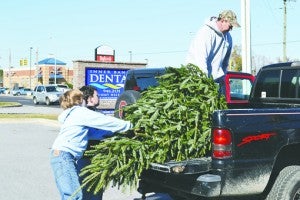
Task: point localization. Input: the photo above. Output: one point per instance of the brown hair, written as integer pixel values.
(71, 98)
(88, 91)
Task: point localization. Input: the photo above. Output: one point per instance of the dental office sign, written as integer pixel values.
(109, 84)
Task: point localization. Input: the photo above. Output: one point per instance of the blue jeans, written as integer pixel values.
(67, 180)
(81, 163)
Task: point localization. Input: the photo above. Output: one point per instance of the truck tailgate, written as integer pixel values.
(173, 176)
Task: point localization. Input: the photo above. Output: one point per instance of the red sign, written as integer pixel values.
(105, 58)
(105, 54)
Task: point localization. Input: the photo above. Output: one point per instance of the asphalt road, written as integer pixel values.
(24, 159)
(24, 154)
(27, 105)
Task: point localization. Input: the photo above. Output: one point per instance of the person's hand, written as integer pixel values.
(129, 134)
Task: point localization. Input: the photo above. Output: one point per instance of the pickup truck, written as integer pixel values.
(254, 150)
(237, 87)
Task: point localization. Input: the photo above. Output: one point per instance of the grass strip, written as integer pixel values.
(9, 104)
(28, 115)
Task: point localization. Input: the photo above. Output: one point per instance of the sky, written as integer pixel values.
(157, 32)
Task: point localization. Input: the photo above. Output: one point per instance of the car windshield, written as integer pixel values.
(51, 89)
(62, 86)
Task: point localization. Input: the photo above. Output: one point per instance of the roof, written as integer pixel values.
(280, 64)
(51, 61)
(144, 71)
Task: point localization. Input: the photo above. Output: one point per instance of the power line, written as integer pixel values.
(274, 43)
(161, 52)
(267, 3)
(184, 51)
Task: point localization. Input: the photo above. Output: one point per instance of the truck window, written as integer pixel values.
(240, 88)
(268, 84)
(142, 83)
(289, 83)
(146, 82)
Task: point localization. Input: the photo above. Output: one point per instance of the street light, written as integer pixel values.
(30, 67)
(130, 54)
(9, 69)
(55, 69)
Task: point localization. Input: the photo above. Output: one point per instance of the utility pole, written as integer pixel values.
(37, 70)
(55, 70)
(9, 69)
(284, 59)
(30, 67)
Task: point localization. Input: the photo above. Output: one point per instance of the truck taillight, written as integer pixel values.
(221, 143)
(136, 88)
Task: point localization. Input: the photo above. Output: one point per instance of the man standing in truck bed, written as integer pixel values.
(211, 48)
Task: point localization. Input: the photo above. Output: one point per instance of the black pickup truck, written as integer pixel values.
(255, 151)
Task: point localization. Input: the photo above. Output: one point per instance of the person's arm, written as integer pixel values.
(200, 49)
(225, 63)
(98, 120)
(98, 134)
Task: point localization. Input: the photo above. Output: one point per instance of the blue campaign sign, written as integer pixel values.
(109, 82)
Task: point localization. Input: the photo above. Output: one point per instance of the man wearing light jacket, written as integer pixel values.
(211, 48)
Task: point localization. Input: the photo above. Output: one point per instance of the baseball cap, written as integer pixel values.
(230, 16)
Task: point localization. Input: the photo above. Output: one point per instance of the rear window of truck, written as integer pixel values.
(282, 83)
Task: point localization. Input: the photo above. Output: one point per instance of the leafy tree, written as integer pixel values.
(236, 59)
(171, 122)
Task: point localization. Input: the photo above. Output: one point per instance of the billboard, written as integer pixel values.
(109, 84)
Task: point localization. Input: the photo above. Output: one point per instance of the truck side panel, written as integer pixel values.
(258, 136)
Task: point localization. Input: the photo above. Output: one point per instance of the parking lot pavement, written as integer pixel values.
(24, 154)
(25, 168)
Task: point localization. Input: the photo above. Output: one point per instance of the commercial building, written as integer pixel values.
(47, 71)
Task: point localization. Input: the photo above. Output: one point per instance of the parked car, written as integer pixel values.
(28, 91)
(2, 90)
(21, 91)
(137, 81)
(17, 91)
(62, 87)
(7, 91)
(48, 94)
